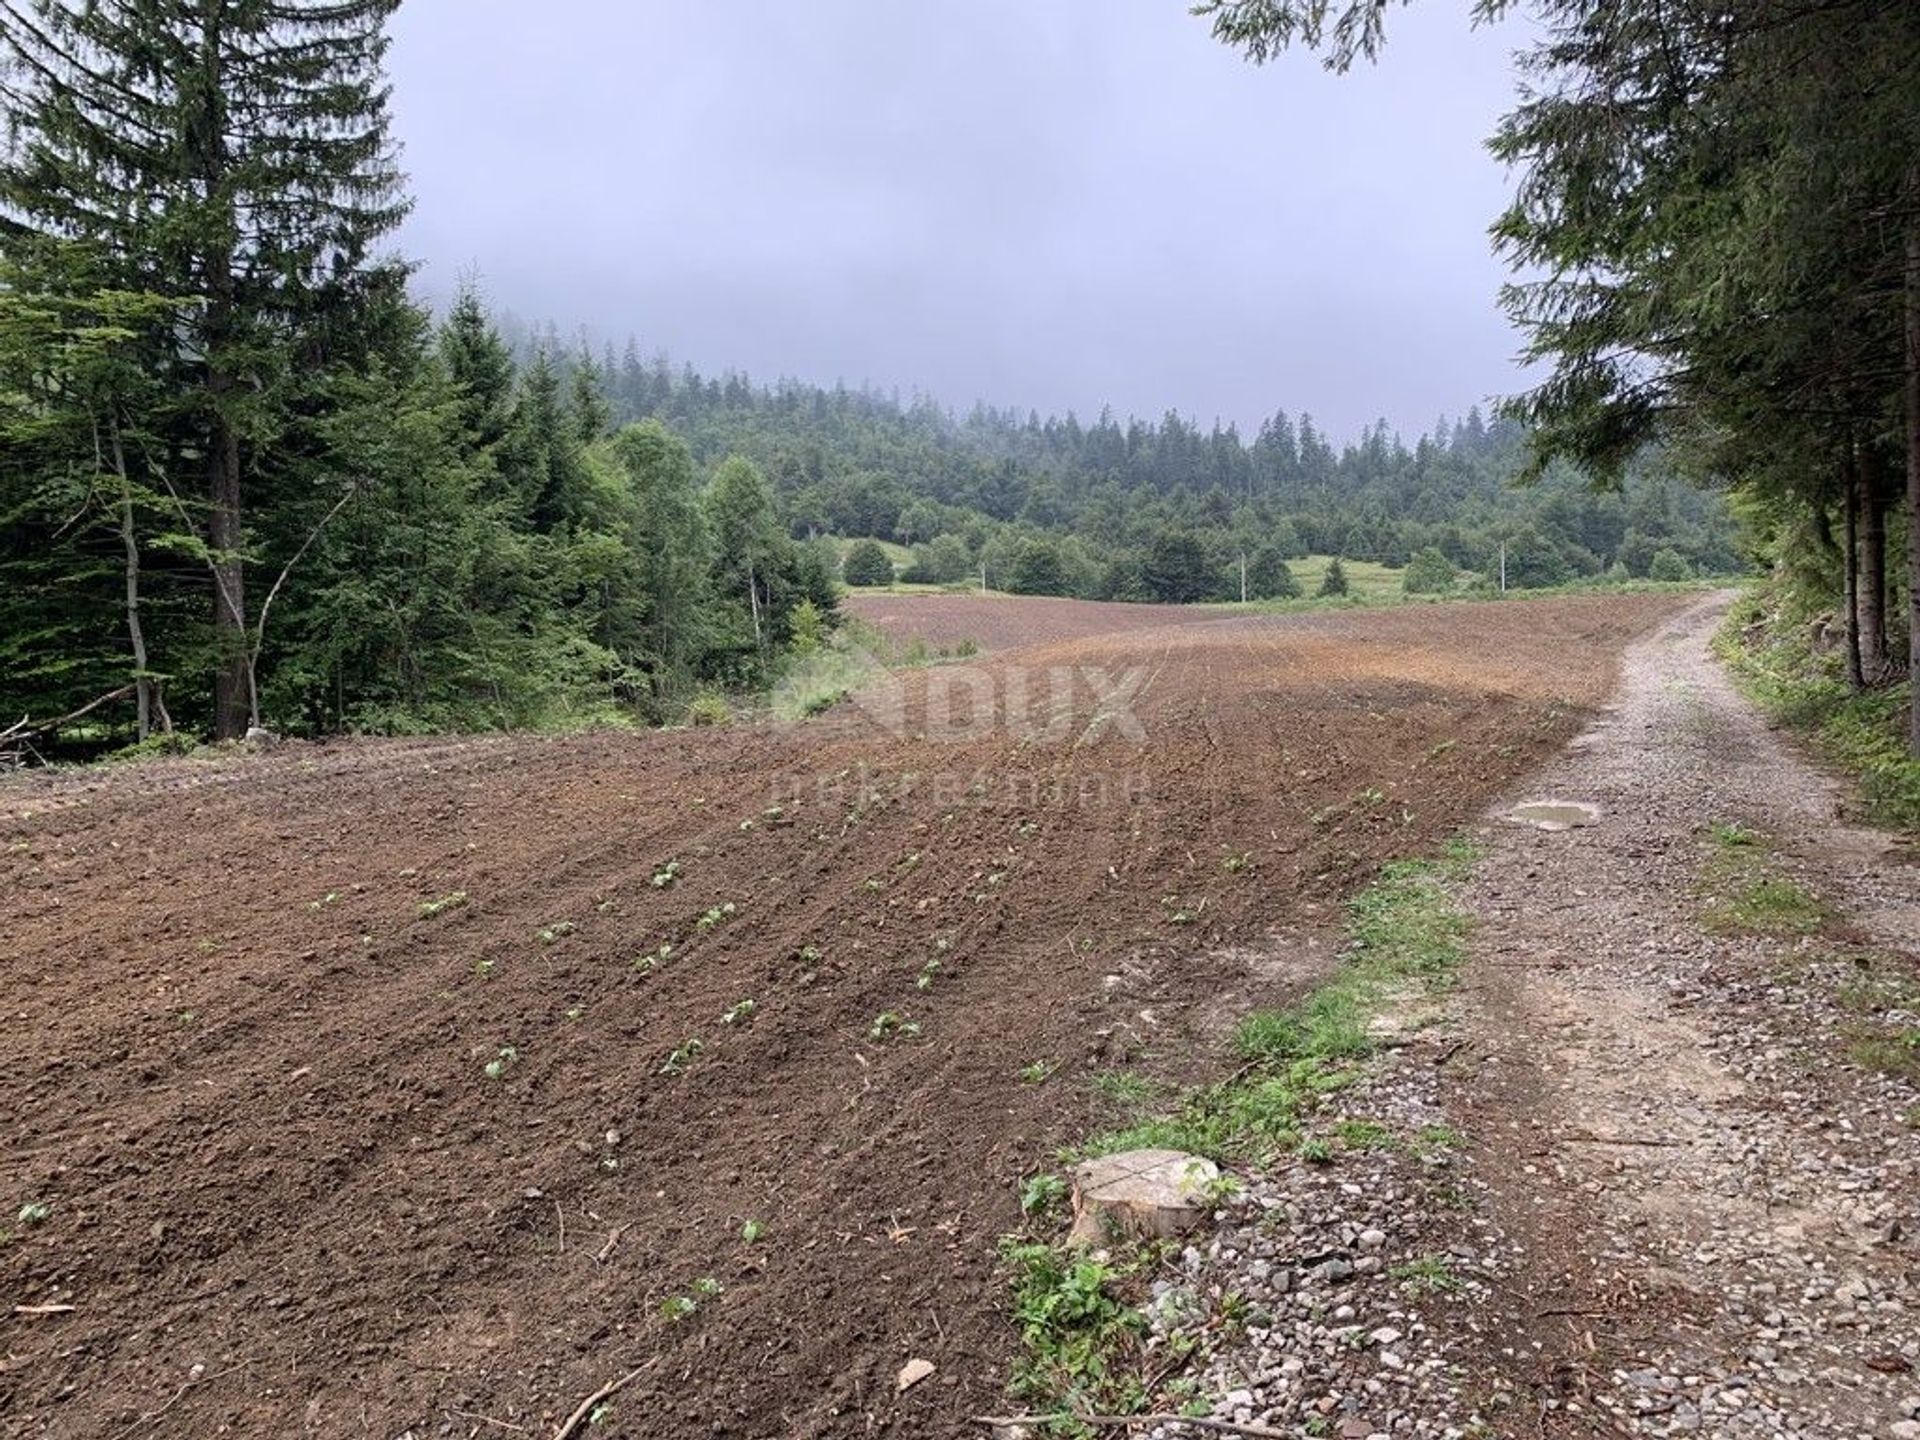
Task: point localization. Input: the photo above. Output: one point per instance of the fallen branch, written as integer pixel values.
(605, 1392)
(43, 1309)
(1115, 1422)
(47, 727)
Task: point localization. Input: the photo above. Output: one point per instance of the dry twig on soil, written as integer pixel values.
(605, 1392)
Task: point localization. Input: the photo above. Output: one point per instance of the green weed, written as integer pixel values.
(1428, 1275)
(1043, 1194)
(1080, 1342)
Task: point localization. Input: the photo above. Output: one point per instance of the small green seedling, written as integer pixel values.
(685, 1307)
(717, 914)
(740, 1013)
(431, 908)
(683, 1057)
(324, 901)
(34, 1212)
(664, 877)
(1234, 861)
(752, 1231)
(556, 931)
(886, 1025)
(924, 981)
(1039, 1072)
(503, 1062)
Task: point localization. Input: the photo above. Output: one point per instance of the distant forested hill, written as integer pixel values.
(1080, 507)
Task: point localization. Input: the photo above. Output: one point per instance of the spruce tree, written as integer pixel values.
(228, 153)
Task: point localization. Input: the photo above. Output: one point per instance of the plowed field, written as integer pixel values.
(348, 1102)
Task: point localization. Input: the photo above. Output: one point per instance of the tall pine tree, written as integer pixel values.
(233, 155)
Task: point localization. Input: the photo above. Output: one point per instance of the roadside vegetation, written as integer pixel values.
(1781, 645)
(1080, 1313)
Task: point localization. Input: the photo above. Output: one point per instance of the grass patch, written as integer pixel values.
(1429, 1275)
(1407, 933)
(1882, 997)
(1766, 645)
(1082, 1339)
(1769, 905)
(1896, 1054)
(1747, 895)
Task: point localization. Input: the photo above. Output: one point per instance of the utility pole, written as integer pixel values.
(1243, 577)
(983, 575)
(1503, 567)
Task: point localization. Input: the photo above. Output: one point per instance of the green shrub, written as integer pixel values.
(1334, 582)
(709, 709)
(1428, 573)
(867, 564)
(1669, 565)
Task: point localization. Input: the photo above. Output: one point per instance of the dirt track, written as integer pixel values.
(249, 1079)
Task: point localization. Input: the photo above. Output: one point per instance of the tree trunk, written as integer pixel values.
(753, 601)
(1850, 505)
(1874, 499)
(232, 704)
(1913, 464)
(136, 635)
(208, 137)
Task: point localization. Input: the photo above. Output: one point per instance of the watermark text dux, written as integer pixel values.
(1051, 704)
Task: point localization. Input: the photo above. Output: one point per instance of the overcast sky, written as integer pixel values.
(1049, 203)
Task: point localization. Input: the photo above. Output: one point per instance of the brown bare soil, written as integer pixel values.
(1003, 622)
(246, 1074)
